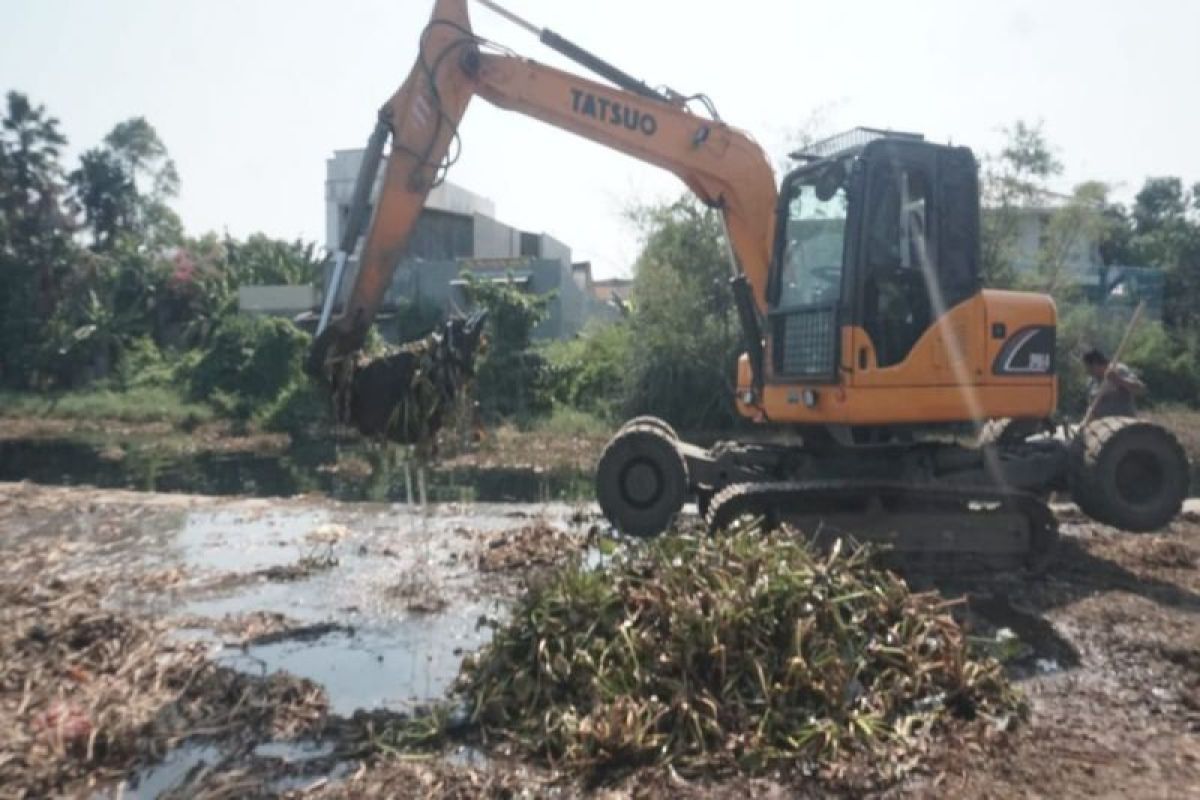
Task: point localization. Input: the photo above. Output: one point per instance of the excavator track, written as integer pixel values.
(920, 528)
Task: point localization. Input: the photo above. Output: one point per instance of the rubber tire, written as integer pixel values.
(1107, 484)
(653, 422)
(641, 460)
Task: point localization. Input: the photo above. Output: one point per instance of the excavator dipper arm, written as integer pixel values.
(723, 166)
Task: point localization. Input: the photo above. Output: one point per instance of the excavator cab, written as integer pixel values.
(876, 236)
(874, 287)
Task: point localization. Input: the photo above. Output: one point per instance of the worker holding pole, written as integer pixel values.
(1112, 386)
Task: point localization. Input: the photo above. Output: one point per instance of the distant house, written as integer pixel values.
(1081, 261)
(458, 231)
(613, 295)
(1084, 268)
(276, 301)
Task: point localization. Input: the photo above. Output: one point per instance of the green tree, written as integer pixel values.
(685, 338)
(36, 248)
(107, 195)
(1074, 231)
(124, 187)
(511, 376)
(263, 260)
(1166, 234)
(1013, 182)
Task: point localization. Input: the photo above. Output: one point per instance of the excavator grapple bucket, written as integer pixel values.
(408, 395)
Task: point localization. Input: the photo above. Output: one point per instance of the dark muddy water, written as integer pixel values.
(399, 602)
(302, 469)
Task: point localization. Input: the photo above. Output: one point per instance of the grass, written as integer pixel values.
(145, 404)
(566, 421)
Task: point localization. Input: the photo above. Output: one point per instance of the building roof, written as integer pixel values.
(605, 289)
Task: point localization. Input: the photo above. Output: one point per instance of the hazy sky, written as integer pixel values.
(251, 97)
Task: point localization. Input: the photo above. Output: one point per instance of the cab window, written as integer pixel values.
(813, 249)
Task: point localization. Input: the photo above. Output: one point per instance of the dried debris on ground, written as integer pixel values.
(417, 592)
(538, 544)
(734, 653)
(87, 693)
(511, 448)
(400, 776)
(1107, 655)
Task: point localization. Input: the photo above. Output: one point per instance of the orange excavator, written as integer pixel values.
(865, 325)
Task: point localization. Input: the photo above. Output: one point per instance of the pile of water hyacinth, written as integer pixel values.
(743, 651)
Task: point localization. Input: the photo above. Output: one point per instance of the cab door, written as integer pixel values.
(916, 269)
(808, 286)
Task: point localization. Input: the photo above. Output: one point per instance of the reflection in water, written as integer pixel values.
(302, 469)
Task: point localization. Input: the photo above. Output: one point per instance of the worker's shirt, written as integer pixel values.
(1114, 400)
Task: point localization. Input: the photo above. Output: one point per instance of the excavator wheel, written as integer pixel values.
(641, 480)
(653, 422)
(1128, 473)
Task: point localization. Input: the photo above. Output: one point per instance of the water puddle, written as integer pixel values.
(299, 765)
(394, 668)
(294, 752)
(228, 541)
(183, 764)
(375, 602)
(395, 608)
(301, 469)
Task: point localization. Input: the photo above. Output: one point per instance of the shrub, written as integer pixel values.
(591, 373)
(512, 378)
(143, 364)
(250, 362)
(300, 410)
(1169, 366)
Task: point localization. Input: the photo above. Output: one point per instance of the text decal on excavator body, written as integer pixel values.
(589, 105)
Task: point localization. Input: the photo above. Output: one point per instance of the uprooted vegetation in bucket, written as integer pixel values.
(746, 651)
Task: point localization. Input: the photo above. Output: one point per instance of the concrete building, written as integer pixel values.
(456, 232)
(276, 301)
(1084, 268)
(1081, 261)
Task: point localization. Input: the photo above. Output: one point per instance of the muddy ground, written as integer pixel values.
(274, 647)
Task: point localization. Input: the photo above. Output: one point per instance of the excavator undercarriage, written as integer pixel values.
(933, 505)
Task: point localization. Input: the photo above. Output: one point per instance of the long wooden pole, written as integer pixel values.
(1116, 357)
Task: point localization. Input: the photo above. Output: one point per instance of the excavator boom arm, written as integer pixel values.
(723, 166)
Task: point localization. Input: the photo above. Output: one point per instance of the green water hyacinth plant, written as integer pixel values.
(743, 651)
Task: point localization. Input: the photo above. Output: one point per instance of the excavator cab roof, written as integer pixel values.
(849, 143)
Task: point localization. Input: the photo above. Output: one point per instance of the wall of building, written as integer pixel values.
(341, 171)
(458, 231)
(1082, 261)
(282, 301)
(494, 239)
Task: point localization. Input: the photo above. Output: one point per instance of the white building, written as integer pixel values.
(458, 231)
